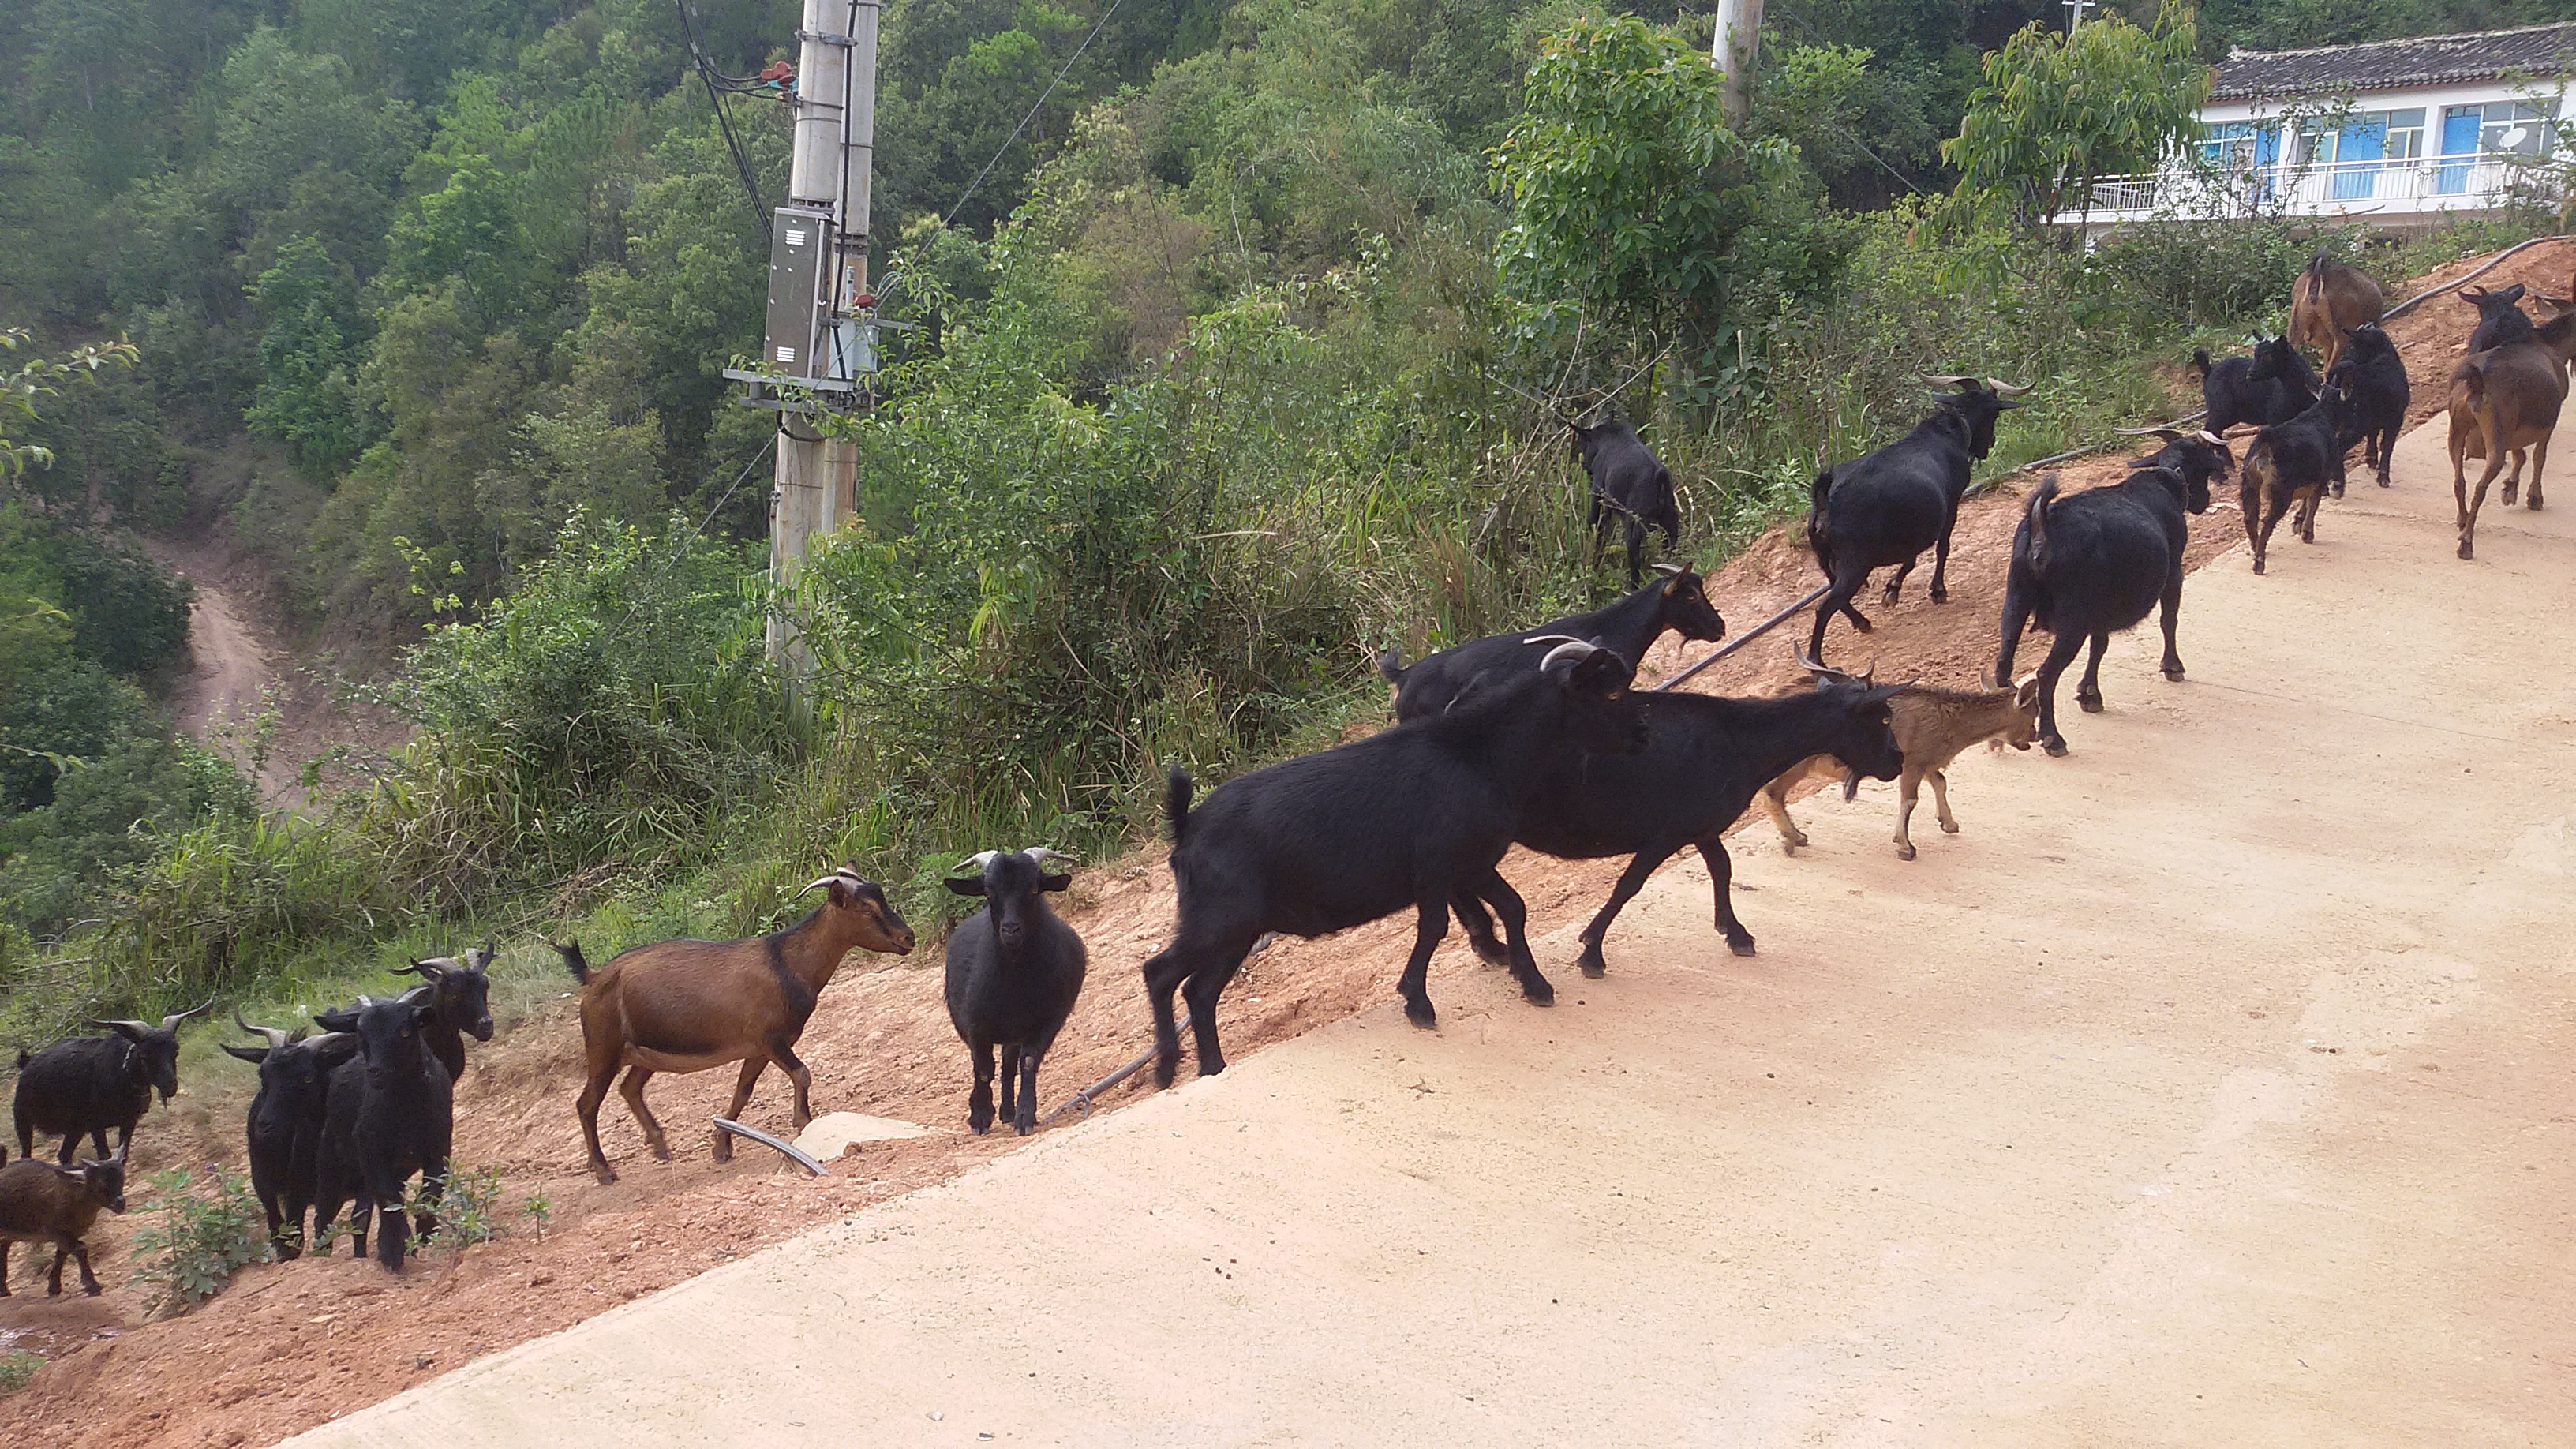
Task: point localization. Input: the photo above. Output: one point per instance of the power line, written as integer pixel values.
(1043, 97)
(724, 118)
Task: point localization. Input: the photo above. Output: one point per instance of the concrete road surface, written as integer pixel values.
(2215, 1088)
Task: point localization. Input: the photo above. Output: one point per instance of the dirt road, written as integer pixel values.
(2215, 1087)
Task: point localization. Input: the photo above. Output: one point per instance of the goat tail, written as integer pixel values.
(2199, 367)
(22, 1059)
(1817, 492)
(1176, 802)
(570, 951)
(1390, 666)
(2035, 514)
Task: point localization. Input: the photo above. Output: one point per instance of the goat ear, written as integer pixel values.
(252, 1055)
(968, 885)
(2028, 695)
(1052, 882)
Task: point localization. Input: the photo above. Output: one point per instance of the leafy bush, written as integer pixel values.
(468, 1211)
(18, 1369)
(202, 1236)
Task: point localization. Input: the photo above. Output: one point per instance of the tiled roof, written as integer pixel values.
(2386, 64)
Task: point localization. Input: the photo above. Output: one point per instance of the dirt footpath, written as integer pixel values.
(2215, 1087)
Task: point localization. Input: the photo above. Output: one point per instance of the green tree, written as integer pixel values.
(307, 394)
(2059, 110)
(1627, 188)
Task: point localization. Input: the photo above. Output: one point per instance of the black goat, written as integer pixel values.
(1014, 971)
(43, 1203)
(2501, 322)
(390, 1114)
(87, 1084)
(1629, 480)
(1414, 816)
(284, 1128)
(2272, 384)
(2289, 466)
(459, 989)
(1705, 759)
(2087, 566)
(1888, 506)
(2372, 378)
(1627, 628)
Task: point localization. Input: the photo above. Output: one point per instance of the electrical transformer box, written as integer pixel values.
(800, 283)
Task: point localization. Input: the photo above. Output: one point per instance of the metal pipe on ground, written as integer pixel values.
(1747, 637)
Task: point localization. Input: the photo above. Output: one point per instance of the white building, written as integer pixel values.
(2399, 133)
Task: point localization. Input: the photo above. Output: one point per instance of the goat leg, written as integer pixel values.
(1010, 1083)
(782, 1050)
(1507, 905)
(1479, 927)
(1721, 883)
(1163, 973)
(1204, 987)
(433, 1191)
(5, 1245)
(2061, 652)
(1775, 803)
(979, 1098)
(2088, 690)
(2172, 609)
(1024, 1118)
(1941, 566)
(1430, 923)
(1908, 785)
(1941, 801)
(1631, 880)
(632, 1089)
(2539, 460)
(1896, 581)
(54, 1281)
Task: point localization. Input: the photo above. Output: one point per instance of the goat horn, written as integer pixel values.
(2170, 435)
(276, 1038)
(328, 1038)
(978, 861)
(429, 970)
(1815, 667)
(117, 1022)
(1577, 650)
(1554, 639)
(1946, 379)
(1669, 570)
(1042, 854)
(2212, 439)
(169, 1022)
(2001, 388)
(819, 884)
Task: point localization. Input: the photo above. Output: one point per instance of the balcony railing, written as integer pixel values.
(2426, 184)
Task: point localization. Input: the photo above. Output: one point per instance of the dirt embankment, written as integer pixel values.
(289, 1346)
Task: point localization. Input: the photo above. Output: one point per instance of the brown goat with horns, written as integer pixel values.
(685, 1006)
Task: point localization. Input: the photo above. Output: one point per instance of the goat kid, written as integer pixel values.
(283, 1130)
(41, 1202)
(2271, 384)
(2288, 469)
(1933, 727)
(2373, 380)
(1014, 972)
(389, 1114)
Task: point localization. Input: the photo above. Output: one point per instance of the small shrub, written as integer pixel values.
(467, 1211)
(17, 1370)
(203, 1235)
(540, 1210)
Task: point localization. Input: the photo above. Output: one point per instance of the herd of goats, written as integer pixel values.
(1534, 738)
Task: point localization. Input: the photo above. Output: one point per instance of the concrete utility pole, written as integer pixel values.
(814, 298)
(1733, 49)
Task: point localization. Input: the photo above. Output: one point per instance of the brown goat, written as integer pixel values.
(2328, 300)
(2504, 406)
(685, 1006)
(1932, 727)
(43, 1203)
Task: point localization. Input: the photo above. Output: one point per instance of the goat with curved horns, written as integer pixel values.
(88, 1084)
(685, 1006)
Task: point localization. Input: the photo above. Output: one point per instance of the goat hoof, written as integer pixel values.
(2089, 703)
(2173, 671)
(1940, 596)
(1538, 993)
(2466, 551)
(2054, 746)
(1903, 852)
(2532, 503)
(1421, 1014)
(1594, 967)
(1741, 948)
(1862, 625)
(1491, 953)
(606, 1179)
